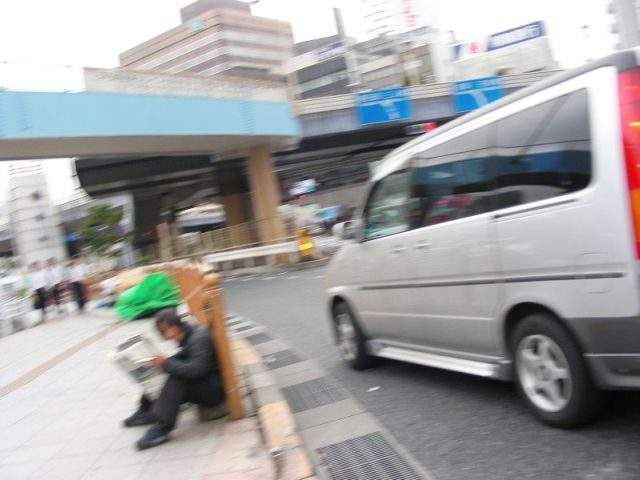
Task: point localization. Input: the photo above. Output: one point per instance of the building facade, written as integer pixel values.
(217, 37)
(33, 219)
(626, 24)
(386, 61)
(389, 17)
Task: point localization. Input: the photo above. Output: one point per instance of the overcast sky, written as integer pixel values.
(94, 32)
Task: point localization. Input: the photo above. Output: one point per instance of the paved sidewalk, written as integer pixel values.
(62, 402)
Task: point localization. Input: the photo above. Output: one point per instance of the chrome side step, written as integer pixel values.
(500, 370)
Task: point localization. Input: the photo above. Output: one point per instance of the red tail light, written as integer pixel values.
(629, 95)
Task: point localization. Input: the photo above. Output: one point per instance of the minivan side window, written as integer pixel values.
(456, 186)
(386, 210)
(543, 152)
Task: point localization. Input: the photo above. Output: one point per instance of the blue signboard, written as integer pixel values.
(380, 106)
(472, 94)
(516, 35)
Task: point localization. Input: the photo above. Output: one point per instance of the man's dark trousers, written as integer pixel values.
(175, 392)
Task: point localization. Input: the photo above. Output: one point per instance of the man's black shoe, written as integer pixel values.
(154, 437)
(139, 418)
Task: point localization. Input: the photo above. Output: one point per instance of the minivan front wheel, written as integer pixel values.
(350, 339)
(551, 373)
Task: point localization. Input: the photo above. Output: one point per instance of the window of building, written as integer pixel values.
(386, 210)
(322, 81)
(181, 51)
(543, 152)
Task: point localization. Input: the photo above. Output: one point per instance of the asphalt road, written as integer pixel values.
(458, 426)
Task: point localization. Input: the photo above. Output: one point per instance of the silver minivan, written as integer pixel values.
(506, 244)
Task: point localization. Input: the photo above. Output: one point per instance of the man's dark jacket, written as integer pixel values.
(196, 360)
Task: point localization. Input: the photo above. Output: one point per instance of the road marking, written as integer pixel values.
(31, 375)
(268, 278)
(318, 277)
(293, 277)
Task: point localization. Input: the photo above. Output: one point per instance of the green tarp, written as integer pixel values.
(155, 292)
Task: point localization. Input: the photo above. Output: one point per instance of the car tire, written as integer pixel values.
(551, 374)
(351, 342)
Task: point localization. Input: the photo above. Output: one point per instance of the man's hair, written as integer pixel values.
(170, 317)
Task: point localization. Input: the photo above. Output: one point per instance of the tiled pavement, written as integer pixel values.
(62, 402)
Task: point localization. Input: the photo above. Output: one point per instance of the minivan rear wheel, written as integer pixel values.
(551, 374)
(351, 341)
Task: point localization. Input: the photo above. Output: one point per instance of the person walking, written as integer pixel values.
(38, 285)
(54, 279)
(78, 274)
(193, 376)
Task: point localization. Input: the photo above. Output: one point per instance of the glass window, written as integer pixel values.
(386, 211)
(448, 191)
(543, 152)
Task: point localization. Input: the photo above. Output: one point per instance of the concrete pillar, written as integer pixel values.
(265, 197)
(235, 209)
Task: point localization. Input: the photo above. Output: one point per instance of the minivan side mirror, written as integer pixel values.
(344, 230)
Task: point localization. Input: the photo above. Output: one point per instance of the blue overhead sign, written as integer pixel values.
(516, 35)
(472, 94)
(380, 106)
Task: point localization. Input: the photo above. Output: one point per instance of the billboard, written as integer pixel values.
(531, 31)
(516, 35)
(313, 57)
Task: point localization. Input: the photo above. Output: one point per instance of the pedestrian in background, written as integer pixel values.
(54, 279)
(38, 285)
(78, 274)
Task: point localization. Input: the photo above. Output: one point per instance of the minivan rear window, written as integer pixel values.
(543, 152)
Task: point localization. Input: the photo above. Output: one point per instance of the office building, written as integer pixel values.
(626, 24)
(385, 61)
(388, 17)
(217, 37)
(34, 223)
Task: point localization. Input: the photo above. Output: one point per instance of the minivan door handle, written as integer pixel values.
(398, 249)
(422, 245)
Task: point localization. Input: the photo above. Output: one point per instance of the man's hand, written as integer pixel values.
(159, 361)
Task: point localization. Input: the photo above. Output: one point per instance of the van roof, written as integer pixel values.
(623, 60)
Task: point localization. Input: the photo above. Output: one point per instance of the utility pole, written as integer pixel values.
(353, 72)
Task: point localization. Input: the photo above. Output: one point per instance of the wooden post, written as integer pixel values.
(214, 315)
(203, 296)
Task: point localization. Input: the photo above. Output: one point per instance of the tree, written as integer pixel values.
(102, 231)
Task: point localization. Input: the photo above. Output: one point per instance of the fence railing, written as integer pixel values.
(243, 235)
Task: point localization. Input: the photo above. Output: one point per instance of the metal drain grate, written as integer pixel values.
(281, 359)
(311, 394)
(369, 457)
(259, 338)
(244, 327)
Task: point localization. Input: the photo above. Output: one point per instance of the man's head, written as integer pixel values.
(35, 266)
(170, 325)
(51, 262)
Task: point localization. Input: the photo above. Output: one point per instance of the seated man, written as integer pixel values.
(193, 377)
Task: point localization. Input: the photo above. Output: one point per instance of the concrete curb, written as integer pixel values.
(313, 427)
(279, 430)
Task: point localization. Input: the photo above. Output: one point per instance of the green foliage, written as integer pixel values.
(145, 260)
(100, 230)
